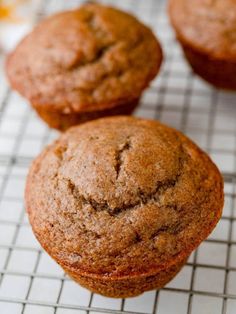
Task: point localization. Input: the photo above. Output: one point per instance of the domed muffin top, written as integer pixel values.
(120, 196)
(208, 25)
(92, 57)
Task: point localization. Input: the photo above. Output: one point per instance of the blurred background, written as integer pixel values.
(30, 282)
(16, 18)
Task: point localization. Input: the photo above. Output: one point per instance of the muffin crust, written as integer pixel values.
(207, 31)
(117, 200)
(90, 59)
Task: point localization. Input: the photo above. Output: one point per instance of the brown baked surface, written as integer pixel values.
(62, 121)
(122, 197)
(92, 58)
(208, 26)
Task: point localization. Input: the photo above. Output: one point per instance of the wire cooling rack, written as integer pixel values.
(30, 282)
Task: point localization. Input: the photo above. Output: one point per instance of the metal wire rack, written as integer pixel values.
(30, 282)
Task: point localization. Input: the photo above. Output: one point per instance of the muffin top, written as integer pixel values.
(207, 25)
(94, 57)
(120, 196)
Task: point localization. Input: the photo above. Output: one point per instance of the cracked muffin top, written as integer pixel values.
(90, 58)
(208, 25)
(121, 196)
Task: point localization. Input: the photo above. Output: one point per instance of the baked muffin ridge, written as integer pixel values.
(117, 204)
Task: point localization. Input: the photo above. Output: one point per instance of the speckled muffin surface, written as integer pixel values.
(207, 31)
(90, 59)
(121, 202)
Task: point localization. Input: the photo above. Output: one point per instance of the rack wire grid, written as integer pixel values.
(30, 282)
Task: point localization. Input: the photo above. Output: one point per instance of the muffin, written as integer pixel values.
(120, 203)
(83, 64)
(206, 29)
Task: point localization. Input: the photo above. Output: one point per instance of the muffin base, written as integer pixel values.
(220, 73)
(128, 286)
(62, 121)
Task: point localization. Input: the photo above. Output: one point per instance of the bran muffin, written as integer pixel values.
(83, 64)
(206, 30)
(121, 202)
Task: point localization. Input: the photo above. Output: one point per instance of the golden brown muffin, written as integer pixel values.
(206, 30)
(83, 64)
(121, 202)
